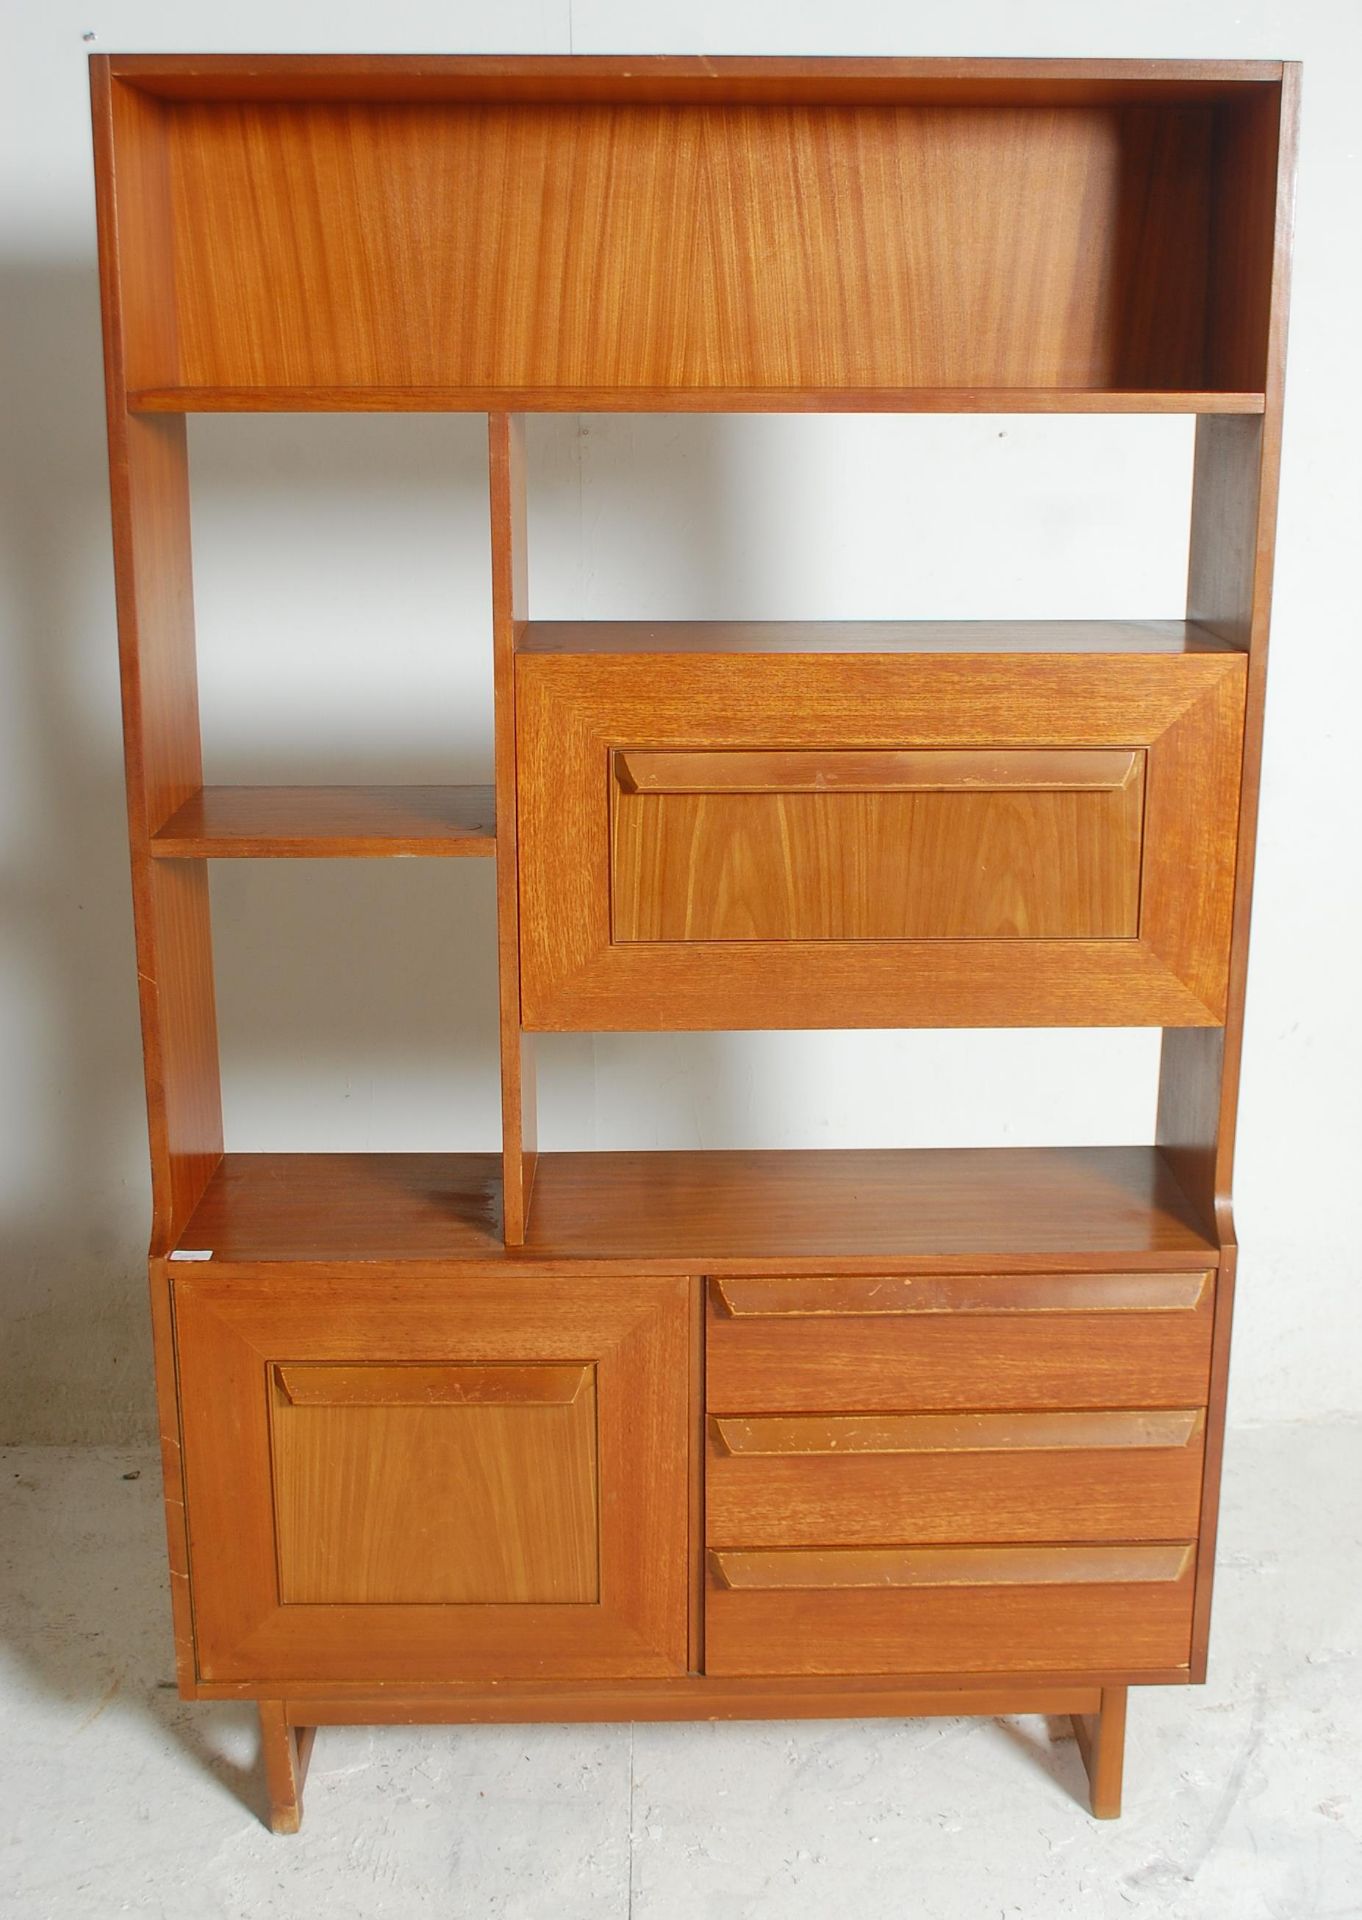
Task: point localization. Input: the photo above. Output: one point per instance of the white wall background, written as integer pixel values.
(342, 576)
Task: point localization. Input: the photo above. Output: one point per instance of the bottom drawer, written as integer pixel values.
(935, 1610)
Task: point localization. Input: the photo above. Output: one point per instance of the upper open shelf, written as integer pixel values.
(1091, 237)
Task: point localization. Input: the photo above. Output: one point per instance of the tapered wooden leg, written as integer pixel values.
(1101, 1740)
(286, 1751)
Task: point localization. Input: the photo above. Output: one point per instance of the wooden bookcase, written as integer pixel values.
(585, 1436)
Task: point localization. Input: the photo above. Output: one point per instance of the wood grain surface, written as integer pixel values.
(321, 823)
(871, 636)
(431, 1491)
(1034, 1608)
(1182, 712)
(307, 1524)
(828, 859)
(864, 1363)
(807, 1480)
(923, 1211)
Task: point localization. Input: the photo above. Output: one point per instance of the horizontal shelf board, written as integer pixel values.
(311, 823)
(356, 399)
(930, 1210)
(870, 636)
(350, 1206)
(850, 81)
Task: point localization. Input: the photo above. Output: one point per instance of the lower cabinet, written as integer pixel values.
(419, 1475)
(409, 1476)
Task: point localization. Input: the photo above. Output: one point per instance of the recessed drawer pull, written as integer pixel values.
(821, 1569)
(785, 1435)
(856, 1295)
(879, 770)
(490, 1384)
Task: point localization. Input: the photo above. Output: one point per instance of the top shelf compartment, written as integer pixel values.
(657, 236)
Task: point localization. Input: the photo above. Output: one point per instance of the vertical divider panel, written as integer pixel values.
(506, 450)
(1229, 590)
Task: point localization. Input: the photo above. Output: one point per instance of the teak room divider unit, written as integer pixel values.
(652, 1435)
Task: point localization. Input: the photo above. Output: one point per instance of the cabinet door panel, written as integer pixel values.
(407, 1474)
(395, 1489)
(762, 840)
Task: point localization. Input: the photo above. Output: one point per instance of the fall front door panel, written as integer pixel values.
(856, 845)
(409, 1475)
(763, 841)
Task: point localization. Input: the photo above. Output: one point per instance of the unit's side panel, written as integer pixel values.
(1234, 515)
(506, 446)
(150, 505)
(150, 510)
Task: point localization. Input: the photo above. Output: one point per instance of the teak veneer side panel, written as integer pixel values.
(149, 502)
(149, 490)
(337, 244)
(1234, 517)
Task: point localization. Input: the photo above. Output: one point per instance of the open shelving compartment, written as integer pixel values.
(514, 236)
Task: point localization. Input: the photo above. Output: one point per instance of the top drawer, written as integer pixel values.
(765, 840)
(867, 1344)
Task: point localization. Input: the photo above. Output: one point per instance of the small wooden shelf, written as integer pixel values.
(870, 636)
(934, 1209)
(557, 399)
(327, 823)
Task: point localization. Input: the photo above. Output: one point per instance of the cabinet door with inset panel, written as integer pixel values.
(398, 1474)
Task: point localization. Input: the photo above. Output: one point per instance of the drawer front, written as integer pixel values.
(895, 1344)
(809, 1480)
(910, 1611)
(909, 839)
(822, 845)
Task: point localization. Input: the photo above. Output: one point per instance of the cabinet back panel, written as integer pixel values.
(665, 246)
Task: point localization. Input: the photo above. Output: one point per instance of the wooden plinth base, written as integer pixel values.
(1098, 1715)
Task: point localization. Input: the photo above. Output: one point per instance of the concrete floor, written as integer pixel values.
(1244, 1798)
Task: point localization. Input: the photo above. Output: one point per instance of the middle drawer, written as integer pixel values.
(795, 1480)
